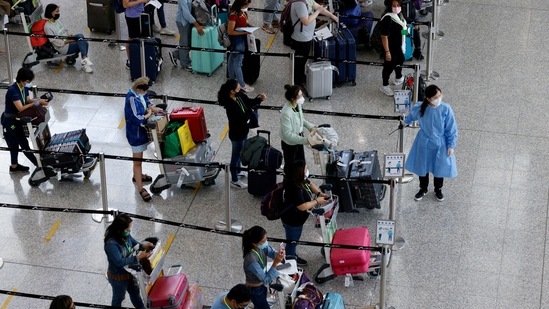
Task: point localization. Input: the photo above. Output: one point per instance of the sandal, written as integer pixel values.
(144, 178)
(268, 29)
(145, 195)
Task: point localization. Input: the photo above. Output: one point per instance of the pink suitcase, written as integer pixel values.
(348, 261)
(168, 292)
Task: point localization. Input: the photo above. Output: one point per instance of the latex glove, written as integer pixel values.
(450, 151)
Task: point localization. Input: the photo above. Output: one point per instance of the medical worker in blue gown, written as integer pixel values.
(433, 148)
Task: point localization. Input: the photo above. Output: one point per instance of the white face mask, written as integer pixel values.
(245, 10)
(397, 10)
(306, 173)
(300, 101)
(436, 102)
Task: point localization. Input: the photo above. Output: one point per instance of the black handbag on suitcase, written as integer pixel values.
(262, 182)
(100, 16)
(153, 59)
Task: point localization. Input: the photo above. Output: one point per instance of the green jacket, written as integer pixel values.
(292, 124)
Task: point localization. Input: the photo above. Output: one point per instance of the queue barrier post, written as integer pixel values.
(429, 73)
(142, 57)
(118, 32)
(104, 201)
(8, 62)
(292, 67)
(385, 252)
(229, 225)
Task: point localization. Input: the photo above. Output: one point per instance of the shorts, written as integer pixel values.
(140, 148)
(134, 27)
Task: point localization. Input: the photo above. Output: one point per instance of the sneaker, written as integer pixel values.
(439, 195)
(398, 81)
(128, 64)
(239, 184)
(87, 69)
(301, 262)
(173, 59)
(387, 90)
(156, 29)
(166, 31)
(248, 88)
(86, 62)
(418, 55)
(189, 68)
(242, 174)
(19, 168)
(420, 194)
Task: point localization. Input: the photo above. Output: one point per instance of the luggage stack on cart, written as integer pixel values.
(180, 173)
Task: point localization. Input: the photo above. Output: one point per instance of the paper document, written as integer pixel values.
(323, 33)
(154, 3)
(247, 29)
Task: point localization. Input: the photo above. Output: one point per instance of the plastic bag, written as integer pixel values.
(185, 138)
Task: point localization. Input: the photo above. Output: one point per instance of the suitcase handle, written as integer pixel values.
(268, 133)
(179, 268)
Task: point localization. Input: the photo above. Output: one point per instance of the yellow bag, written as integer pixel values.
(185, 138)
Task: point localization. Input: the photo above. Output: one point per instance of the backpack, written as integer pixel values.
(286, 22)
(201, 12)
(118, 7)
(310, 297)
(223, 36)
(375, 40)
(38, 28)
(272, 204)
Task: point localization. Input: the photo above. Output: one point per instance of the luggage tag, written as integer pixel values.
(349, 282)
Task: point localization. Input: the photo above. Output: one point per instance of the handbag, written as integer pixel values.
(185, 138)
(172, 146)
(36, 113)
(288, 283)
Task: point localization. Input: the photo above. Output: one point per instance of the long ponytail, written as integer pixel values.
(430, 92)
(250, 237)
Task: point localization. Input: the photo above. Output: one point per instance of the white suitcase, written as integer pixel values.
(319, 79)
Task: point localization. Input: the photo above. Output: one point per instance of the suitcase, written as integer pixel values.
(349, 261)
(145, 26)
(339, 187)
(66, 157)
(366, 194)
(203, 61)
(319, 79)
(340, 55)
(332, 301)
(363, 30)
(262, 182)
(350, 55)
(201, 153)
(168, 292)
(251, 64)
(153, 59)
(195, 118)
(100, 16)
(79, 136)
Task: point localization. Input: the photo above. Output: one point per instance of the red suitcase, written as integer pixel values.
(168, 292)
(196, 119)
(349, 261)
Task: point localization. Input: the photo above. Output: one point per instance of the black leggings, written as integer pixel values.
(292, 153)
(424, 182)
(15, 138)
(301, 49)
(397, 59)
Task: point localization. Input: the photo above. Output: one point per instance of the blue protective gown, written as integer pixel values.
(438, 132)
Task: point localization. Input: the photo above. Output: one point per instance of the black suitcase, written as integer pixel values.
(145, 25)
(251, 65)
(262, 182)
(339, 187)
(100, 16)
(79, 136)
(366, 194)
(67, 157)
(153, 59)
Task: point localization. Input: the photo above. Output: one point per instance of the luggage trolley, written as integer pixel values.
(179, 173)
(68, 152)
(372, 263)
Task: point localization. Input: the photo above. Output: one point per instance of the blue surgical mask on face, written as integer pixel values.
(28, 85)
(264, 245)
(126, 233)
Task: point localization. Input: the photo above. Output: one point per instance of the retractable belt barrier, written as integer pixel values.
(46, 297)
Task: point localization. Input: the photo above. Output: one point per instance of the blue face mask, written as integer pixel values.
(28, 85)
(126, 233)
(264, 245)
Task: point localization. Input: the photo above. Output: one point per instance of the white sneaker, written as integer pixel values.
(242, 174)
(248, 88)
(156, 29)
(167, 31)
(387, 90)
(87, 69)
(239, 184)
(398, 81)
(86, 62)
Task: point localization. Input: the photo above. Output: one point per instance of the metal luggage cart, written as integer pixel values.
(40, 138)
(328, 226)
(180, 172)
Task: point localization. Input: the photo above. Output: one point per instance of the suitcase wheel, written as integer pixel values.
(328, 97)
(373, 273)
(208, 182)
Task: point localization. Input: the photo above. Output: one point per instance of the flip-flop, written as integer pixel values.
(269, 30)
(144, 178)
(145, 195)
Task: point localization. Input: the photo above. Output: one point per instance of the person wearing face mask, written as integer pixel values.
(433, 148)
(137, 111)
(119, 246)
(256, 250)
(393, 29)
(65, 46)
(300, 195)
(292, 123)
(238, 17)
(241, 112)
(237, 298)
(18, 100)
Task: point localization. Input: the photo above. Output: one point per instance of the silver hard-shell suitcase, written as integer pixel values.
(319, 79)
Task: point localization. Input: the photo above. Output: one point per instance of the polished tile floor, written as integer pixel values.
(483, 247)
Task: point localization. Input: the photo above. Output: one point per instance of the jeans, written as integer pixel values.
(302, 50)
(238, 43)
(15, 138)
(271, 5)
(259, 297)
(424, 182)
(185, 41)
(78, 46)
(235, 158)
(397, 59)
(119, 289)
(292, 233)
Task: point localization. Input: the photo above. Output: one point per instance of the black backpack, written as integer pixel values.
(286, 22)
(118, 7)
